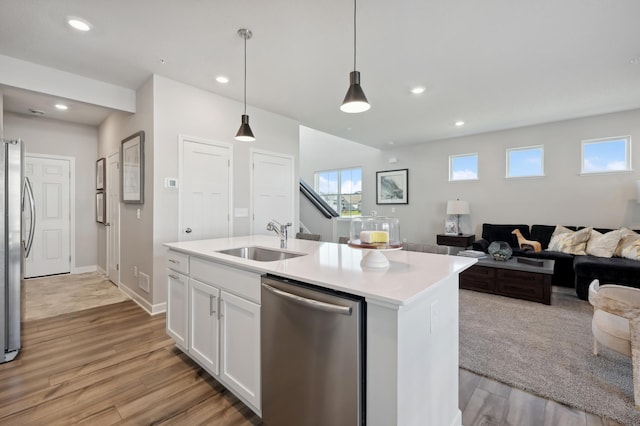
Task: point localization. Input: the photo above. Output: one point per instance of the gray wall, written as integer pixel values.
(136, 235)
(166, 109)
(53, 137)
(562, 196)
(182, 109)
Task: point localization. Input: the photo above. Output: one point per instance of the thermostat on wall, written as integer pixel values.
(171, 183)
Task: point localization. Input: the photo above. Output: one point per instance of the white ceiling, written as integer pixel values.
(495, 64)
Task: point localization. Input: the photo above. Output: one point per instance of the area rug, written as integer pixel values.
(546, 350)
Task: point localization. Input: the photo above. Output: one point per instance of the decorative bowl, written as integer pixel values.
(500, 250)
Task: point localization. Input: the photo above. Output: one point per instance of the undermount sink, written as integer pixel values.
(260, 254)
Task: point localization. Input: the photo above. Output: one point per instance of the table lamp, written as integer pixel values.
(458, 208)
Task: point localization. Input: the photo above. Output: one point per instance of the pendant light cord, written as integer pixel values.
(245, 74)
(354, 35)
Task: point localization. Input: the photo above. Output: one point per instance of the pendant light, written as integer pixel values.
(355, 100)
(244, 132)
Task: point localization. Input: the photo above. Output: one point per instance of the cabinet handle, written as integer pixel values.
(175, 277)
(211, 308)
(174, 261)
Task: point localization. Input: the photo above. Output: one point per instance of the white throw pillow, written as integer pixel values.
(603, 245)
(568, 241)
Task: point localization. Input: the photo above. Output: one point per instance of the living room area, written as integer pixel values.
(530, 346)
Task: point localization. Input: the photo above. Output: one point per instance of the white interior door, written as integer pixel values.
(51, 182)
(113, 219)
(205, 189)
(272, 183)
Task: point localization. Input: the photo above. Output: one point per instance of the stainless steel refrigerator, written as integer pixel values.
(16, 194)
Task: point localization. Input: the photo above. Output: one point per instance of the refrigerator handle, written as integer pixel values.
(32, 206)
(314, 304)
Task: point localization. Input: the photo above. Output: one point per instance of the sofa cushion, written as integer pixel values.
(627, 238)
(543, 233)
(493, 233)
(603, 244)
(568, 241)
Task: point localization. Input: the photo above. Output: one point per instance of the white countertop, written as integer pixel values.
(337, 266)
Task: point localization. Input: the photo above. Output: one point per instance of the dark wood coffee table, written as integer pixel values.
(510, 278)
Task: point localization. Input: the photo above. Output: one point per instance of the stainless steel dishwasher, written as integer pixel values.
(312, 355)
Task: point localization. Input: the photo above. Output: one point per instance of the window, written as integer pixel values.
(525, 162)
(341, 189)
(606, 155)
(463, 167)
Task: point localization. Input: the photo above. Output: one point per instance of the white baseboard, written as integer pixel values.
(85, 269)
(150, 308)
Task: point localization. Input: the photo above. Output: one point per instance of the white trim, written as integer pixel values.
(150, 308)
(252, 152)
(108, 216)
(85, 269)
(181, 139)
(72, 201)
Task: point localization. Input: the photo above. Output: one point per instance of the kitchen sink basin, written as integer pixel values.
(260, 254)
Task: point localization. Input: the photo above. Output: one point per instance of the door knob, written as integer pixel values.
(188, 230)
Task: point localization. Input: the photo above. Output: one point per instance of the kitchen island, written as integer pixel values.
(411, 319)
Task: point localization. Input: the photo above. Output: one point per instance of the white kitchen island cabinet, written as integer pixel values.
(411, 320)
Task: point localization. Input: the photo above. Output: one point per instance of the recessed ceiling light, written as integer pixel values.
(79, 23)
(222, 79)
(392, 143)
(163, 61)
(62, 107)
(635, 61)
(417, 90)
(459, 123)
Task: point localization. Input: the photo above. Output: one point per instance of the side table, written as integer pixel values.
(464, 240)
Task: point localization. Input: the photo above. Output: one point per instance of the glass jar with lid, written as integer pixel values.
(375, 233)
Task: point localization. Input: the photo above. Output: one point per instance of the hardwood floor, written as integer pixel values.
(114, 364)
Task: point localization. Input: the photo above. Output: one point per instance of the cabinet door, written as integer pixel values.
(240, 346)
(204, 324)
(177, 307)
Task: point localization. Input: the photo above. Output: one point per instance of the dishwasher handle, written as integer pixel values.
(314, 304)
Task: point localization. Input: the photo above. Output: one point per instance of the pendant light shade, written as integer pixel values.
(244, 132)
(355, 100)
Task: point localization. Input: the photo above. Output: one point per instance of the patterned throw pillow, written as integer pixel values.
(631, 247)
(603, 245)
(627, 237)
(568, 241)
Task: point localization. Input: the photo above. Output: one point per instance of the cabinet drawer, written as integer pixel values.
(479, 272)
(237, 281)
(178, 261)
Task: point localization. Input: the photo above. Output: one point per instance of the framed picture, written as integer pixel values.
(450, 227)
(392, 187)
(132, 169)
(100, 208)
(100, 173)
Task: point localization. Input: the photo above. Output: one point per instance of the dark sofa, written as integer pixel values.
(569, 270)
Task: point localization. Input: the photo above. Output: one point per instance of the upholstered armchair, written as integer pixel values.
(616, 324)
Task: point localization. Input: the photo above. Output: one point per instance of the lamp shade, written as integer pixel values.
(244, 132)
(355, 100)
(458, 207)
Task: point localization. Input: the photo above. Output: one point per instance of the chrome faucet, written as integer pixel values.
(279, 229)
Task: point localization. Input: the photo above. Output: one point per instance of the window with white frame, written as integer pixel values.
(525, 162)
(606, 155)
(463, 167)
(341, 189)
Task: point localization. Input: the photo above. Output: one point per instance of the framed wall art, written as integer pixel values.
(392, 187)
(132, 169)
(100, 170)
(100, 208)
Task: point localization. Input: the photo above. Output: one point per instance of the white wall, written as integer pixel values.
(183, 109)
(561, 197)
(53, 137)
